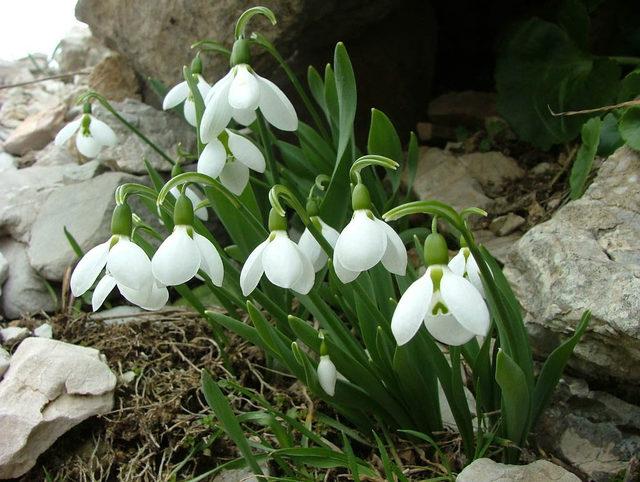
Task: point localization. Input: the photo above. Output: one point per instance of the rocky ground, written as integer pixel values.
(562, 257)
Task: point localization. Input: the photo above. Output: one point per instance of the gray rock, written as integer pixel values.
(491, 169)
(54, 155)
(506, 224)
(163, 128)
(486, 470)
(588, 257)
(80, 50)
(49, 388)
(244, 475)
(24, 291)
(36, 131)
(4, 270)
(7, 162)
(13, 334)
(115, 79)
(44, 331)
(498, 246)
(85, 209)
(118, 315)
(5, 359)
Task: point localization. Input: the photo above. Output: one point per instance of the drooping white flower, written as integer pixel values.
(92, 135)
(464, 264)
(310, 246)
(282, 261)
(202, 212)
(127, 266)
(180, 93)
(233, 169)
(327, 375)
(237, 95)
(450, 306)
(363, 243)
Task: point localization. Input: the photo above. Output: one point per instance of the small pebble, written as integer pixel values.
(44, 331)
(5, 360)
(507, 224)
(13, 334)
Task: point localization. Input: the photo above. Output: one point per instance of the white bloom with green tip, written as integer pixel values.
(180, 93)
(327, 375)
(310, 246)
(92, 135)
(464, 264)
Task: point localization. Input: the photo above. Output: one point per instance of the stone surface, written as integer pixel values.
(244, 475)
(163, 128)
(118, 315)
(80, 50)
(7, 162)
(593, 431)
(498, 246)
(486, 470)
(5, 359)
(491, 169)
(49, 388)
(54, 155)
(588, 257)
(85, 209)
(24, 291)
(115, 79)
(35, 132)
(468, 108)
(13, 334)
(44, 331)
(4, 270)
(506, 224)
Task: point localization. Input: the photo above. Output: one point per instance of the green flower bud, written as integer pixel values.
(277, 222)
(121, 220)
(176, 169)
(323, 349)
(312, 207)
(240, 53)
(183, 211)
(463, 242)
(86, 108)
(435, 250)
(360, 198)
(84, 124)
(196, 65)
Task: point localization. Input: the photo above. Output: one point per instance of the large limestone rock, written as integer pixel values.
(115, 79)
(36, 131)
(486, 470)
(49, 388)
(80, 50)
(4, 270)
(588, 257)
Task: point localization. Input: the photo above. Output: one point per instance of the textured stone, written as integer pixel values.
(44, 331)
(486, 470)
(36, 131)
(80, 50)
(114, 78)
(49, 388)
(507, 224)
(5, 359)
(491, 169)
(588, 257)
(4, 270)
(13, 334)
(7, 162)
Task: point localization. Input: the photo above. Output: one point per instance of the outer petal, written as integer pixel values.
(177, 259)
(244, 92)
(87, 145)
(246, 152)
(189, 111)
(176, 95)
(395, 256)
(330, 234)
(89, 268)
(152, 297)
(275, 106)
(210, 261)
(308, 277)
(203, 87)
(312, 250)
(212, 159)
(465, 303)
(252, 269)
(103, 288)
(327, 375)
(217, 113)
(343, 274)
(458, 264)
(201, 213)
(411, 309)
(67, 131)
(102, 133)
(473, 272)
(244, 116)
(282, 262)
(129, 265)
(447, 330)
(361, 244)
(234, 177)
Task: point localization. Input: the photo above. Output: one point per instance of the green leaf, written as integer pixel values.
(384, 140)
(351, 459)
(629, 86)
(584, 159)
(219, 404)
(573, 17)
(323, 458)
(331, 95)
(553, 368)
(516, 402)
(73, 243)
(610, 139)
(347, 96)
(316, 86)
(413, 156)
(630, 127)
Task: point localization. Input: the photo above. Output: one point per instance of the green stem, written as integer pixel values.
(268, 145)
(625, 60)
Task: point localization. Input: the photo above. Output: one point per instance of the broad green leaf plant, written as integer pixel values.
(383, 341)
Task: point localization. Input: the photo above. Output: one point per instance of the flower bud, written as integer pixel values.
(360, 198)
(86, 108)
(196, 65)
(183, 211)
(121, 220)
(435, 250)
(276, 222)
(312, 208)
(240, 53)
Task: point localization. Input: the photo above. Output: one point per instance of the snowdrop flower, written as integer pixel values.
(366, 241)
(202, 212)
(280, 259)
(180, 93)
(327, 375)
(310, 246)
(127, 267)
(184, 252)
(239, 93)
(233, 168)
(92, 134)
(451, 308)
(464, 264)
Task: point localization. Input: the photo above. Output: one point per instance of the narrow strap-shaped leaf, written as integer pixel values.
(515, 397)
(384, 140)
(347, 96)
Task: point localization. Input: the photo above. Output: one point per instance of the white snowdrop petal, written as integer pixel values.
(395, 256)
(87, 145)
(203, 87)
(244, 92)
(246, 117)
(361, 244)
(473, 272)
(465, 302)
(210, 260)
(327, 375)
(212, 159)
(308, 277)
(217, 112)
(234, 176)
(252, 269)
(343, 274)
(246, 152)
(102, 290)
(201, 213)
(275, 106)
(67, 131)
(102, 133)
(129, 265)
(329, 233)
(88, 269)
(447, 330)
(312, 249)
(189, 111)
(282, 264)
(176, 95)
(412, 308)
(458, 263)
(177, 259)
(150, 298)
